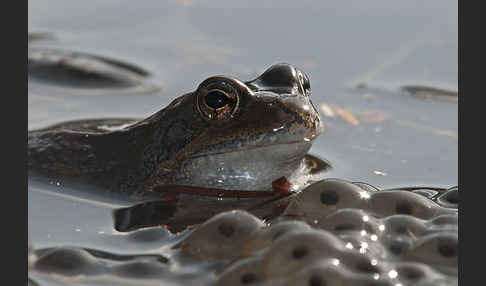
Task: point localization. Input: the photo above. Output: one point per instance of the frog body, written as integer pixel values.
(227, 134)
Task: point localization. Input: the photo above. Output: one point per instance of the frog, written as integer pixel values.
(227, 137)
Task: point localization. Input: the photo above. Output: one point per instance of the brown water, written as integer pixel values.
(360, 57)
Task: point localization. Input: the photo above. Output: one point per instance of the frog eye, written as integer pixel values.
(217, 101)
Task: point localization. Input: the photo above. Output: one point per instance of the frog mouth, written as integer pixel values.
(255, 148)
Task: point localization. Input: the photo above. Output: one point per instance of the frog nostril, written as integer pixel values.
(306, 86)
(304, 82)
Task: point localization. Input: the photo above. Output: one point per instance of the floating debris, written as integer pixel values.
(373, 116)
(346, 115)
(426, 92)
(85, 73)
(327, 110)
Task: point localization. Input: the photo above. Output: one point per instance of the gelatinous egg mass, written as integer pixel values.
(334, 232)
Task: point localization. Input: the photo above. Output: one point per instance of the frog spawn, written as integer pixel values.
(449, 199)
(358, 237)
(333, 233)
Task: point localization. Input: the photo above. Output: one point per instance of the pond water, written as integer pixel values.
(360, 56)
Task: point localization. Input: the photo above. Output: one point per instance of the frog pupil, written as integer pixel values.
(217, 99)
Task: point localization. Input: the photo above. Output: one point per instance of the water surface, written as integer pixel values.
(359, 55)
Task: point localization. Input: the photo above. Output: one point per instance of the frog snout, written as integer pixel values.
(291, 87)
(306, 117)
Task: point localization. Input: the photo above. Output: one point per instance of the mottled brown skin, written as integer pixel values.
(146, 153)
